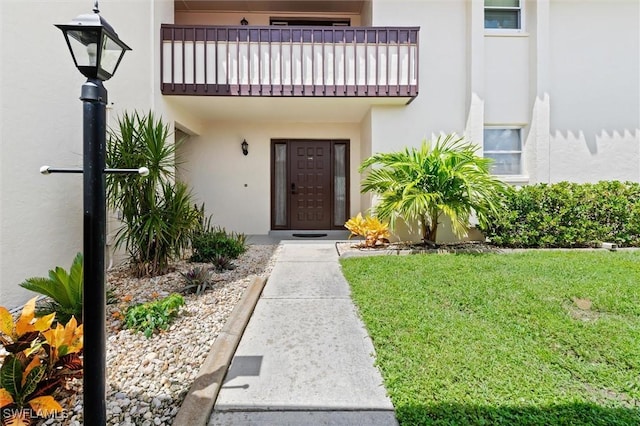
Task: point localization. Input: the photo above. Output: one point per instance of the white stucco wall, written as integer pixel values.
(507, 79)
(574, 91)
(41, 116)
(441, 104)
(595, 90)
(236, 189)
(41, 123)
(365, 152)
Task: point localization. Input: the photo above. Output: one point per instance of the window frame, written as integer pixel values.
(521, 21)
(309, 22)
(521, 171)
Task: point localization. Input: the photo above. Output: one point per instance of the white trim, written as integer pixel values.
(517, 126)
(514, 179)
(504, 33)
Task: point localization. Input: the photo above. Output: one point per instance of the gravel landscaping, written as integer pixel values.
(149, 378)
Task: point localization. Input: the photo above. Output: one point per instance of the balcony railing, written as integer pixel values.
(289, 61)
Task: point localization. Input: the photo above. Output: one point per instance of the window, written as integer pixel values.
(504, 146)
(310, 22)
(339, 184)
(503, 14)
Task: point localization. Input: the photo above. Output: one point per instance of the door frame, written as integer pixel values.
(289, 207)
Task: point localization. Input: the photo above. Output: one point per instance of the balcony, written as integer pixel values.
(289, 61)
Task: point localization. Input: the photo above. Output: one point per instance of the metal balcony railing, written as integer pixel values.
(289, 61)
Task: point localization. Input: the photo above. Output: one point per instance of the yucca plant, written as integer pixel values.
(41, 359)
(157, 212)
(64, 290)
(441, 178)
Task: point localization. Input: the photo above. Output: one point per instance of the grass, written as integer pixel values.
(534, 338)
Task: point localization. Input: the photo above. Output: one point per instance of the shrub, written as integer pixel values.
(568, 215)
(213, 244)
(370, 228)
(39, 362)
(157, 213)
(64, 290)
(208, 245)
(151, 316)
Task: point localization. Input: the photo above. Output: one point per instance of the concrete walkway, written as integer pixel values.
(305, 357)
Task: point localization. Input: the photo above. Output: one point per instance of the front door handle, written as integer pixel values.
(293, 188)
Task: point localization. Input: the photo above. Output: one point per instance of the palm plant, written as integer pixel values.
(157, 212)
(64, 290)
(444, 177)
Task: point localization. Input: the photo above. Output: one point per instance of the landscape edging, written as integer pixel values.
(198, 404)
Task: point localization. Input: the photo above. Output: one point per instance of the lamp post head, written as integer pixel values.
(94, 45)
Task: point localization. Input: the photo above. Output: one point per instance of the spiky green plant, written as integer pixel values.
(222, 263)
(64, 290)
(197, 280)
(157, 212)
(420, 185)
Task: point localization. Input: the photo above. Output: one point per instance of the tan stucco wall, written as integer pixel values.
(365, 13)
(236, 189)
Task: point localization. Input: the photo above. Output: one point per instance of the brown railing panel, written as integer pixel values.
(289, 61)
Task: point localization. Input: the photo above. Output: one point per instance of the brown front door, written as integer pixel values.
(310, 172)
(309, 182)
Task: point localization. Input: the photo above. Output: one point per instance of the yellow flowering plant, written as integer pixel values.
(40, 360)
(373, 231)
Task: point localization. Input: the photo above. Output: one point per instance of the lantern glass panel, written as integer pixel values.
(84, 46)
(111, 54)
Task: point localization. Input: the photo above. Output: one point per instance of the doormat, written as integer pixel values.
(309, 235)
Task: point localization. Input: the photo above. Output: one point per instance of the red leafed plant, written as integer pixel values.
(41, 359)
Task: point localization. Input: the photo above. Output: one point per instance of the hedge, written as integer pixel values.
(568, 215)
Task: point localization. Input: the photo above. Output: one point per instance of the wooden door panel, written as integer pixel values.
(310, 184)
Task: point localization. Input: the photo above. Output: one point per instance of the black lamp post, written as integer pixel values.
(97, 52)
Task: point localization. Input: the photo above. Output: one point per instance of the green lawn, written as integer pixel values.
(505, 339)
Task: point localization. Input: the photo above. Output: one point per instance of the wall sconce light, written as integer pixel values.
(245, 147)
(244, 21)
